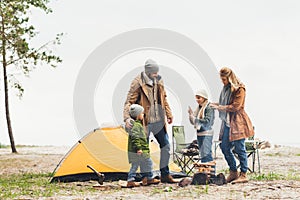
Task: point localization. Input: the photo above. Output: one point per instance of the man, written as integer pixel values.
(147, 90)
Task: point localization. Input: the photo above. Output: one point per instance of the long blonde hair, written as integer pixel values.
(232, 78)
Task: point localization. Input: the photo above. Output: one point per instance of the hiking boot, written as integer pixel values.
(168, 179)
(131, 184)
(146, 181)
(233, 175)
(241, 179)
(153, 181)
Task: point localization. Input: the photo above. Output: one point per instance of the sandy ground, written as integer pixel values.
(280, 160)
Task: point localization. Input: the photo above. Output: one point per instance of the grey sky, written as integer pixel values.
(259, 40)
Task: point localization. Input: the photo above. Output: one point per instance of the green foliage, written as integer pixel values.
(206, 189)
(275, 154)
(291, 174)
(168, 189)
(201, 189)
(293, 177)
(298, 154)
(4, 146)
(19, 145)
(35, 186)
(15, 34)
(271, 176)
(156, 191)
(28, 185)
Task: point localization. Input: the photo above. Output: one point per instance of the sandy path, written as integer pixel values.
(282, 160)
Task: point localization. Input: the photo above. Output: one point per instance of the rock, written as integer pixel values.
(264, 145)
(185, 182)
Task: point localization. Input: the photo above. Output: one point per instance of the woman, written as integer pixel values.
(236, 125)
(203, 119)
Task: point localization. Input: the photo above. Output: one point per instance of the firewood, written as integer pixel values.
(212, 163)
(205, 169)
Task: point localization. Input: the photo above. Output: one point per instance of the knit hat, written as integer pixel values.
(151, 66)
(202, 93)
(135, 110)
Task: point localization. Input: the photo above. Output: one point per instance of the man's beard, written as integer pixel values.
(154, 79)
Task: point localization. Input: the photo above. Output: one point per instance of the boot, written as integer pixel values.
(168, 179)
(131, 184)
(233, 175)
(146, 181)
(241, 179)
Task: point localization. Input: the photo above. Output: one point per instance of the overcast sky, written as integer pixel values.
(259, 40)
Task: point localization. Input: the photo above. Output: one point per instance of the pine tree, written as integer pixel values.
(16, 52)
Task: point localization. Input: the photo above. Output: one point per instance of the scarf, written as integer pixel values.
(200, 114)
(224, 100)
(202, 109)
(155, 112)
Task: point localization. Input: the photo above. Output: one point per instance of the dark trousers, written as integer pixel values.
(162, 138)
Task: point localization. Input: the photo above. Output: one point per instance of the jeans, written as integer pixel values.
(239, 148)
(145, 165)
(205, 143)
(162, 138)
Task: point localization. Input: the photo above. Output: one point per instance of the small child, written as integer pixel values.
(203, 119)
(138, 150)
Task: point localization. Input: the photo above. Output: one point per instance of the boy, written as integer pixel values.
(138, 149)
(203, 119)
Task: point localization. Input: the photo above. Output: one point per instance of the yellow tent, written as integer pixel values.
(105, 150)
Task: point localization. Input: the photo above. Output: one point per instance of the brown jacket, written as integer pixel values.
(240, 124)
(138, 95)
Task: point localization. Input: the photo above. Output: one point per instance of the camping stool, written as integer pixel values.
(252, 150)
(184, 154)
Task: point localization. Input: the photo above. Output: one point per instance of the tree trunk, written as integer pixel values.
(10, 133)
